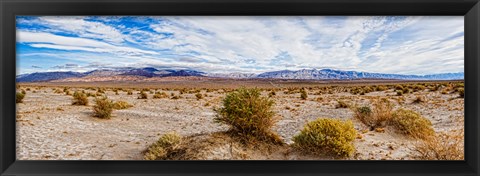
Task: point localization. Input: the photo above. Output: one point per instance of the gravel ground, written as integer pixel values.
(50, 128)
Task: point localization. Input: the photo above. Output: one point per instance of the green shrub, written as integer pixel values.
(121, 105)
(80, 98)
(248, 114)
(103, 108)
(413, 124)
(303, 94)
(142, 95)
(363, 113)
(19, 97)
(166, 144)
(325, 135)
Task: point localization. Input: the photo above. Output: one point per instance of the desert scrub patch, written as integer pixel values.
(103, 108)
(129, 92)
(412, 123)
(341, 104)
(419, 99)
(80, 98)
(379, 116)
(142, 95)
(159, 95)
(121, 105)
(199, 96)
(444, 146)
(272, 93)
(326, 135)
(19, 97)
(248, 115)
(166, 144)
(461, 92)
(303, 94)
(399, 92)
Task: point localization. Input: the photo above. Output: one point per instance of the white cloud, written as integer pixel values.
(406, 45)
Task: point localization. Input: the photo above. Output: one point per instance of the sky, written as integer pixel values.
(416, 45)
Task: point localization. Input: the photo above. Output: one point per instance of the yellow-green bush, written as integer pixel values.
(103, 108)
(248, 114)
(325, 135)
(121, 105)
(413, 124)
(19, 97)
(80, 98)
(159, 150)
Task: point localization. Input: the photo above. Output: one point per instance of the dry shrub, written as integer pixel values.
(103, 108)
(303, 94)
(129, 92)
(325, 135)
(341, 104)
(159, 95)
(444, 146)
(121, 105)
(413, 124)
(80, 98)
(379, 116)
(165, 145)
(461, 92)
(19, 97)
(142, 95)
(419, 99)
(249, 115)
(399, 92)
(199, 96)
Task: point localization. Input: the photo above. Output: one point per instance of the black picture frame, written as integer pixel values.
(470, 9)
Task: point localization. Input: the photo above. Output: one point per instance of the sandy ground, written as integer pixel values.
(50, 128)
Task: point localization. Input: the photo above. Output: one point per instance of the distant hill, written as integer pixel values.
(150, 72)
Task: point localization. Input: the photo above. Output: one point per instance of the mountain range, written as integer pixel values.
(150, 72)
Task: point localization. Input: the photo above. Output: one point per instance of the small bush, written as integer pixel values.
(19, 97)
(341, 104)
(248, 114)
(80, 98)
(103, 108)
(121, 105)
(303, 94)
(142, 95)
(129, 92)
(272, 93)
(166, 144)
(413, 124)
(199, 96)
(442, 147)
(378, 117)
(24, 92)
(159, 95)
(399, 92)
(419, 99)
(331, 136)
(461, 92)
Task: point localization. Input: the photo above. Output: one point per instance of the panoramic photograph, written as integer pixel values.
(240, 88)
